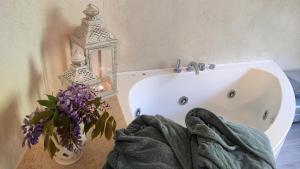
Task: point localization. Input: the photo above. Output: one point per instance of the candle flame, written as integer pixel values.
(101, 87)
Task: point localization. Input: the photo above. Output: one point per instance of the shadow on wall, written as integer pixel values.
(35, 81)
(10, 124)
(11, 135)
(54, 48)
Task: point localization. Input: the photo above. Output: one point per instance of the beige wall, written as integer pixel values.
(154, 33)
(34, 51)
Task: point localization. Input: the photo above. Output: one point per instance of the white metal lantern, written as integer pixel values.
(99, 49)
(79, 72)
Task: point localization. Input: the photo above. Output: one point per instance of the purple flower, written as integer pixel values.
(31, 132)
(74, 106)
(73, 103)
(72, 139)
(75, 99)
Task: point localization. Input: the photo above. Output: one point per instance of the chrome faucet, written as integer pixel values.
(211, 66)
(201, 66)
(193, 66)
(177, 68)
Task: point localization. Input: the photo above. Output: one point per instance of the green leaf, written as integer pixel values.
(99, 127)
(46, 127)
(97, 102)
(55, 137)
(103, 119)
(52, 98)
(109, 128)
(61, 121)
(41, 115)
(88, 126)
(96, 113)
(47, 103)
(55, 119)
(114, 126)
(46, 142)
(52, 148)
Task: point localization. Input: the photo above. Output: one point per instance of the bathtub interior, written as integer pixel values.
(256, 101)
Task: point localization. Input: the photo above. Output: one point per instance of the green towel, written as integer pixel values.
(208, 142)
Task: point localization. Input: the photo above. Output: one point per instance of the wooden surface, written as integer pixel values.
(289, 157)
(94, 155)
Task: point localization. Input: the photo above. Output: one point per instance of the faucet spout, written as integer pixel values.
(193, 66)
(177, 69)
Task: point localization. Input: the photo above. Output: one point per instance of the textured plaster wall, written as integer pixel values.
(33, 52)
(154, 33)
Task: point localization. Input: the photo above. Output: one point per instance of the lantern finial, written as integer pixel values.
(91, 12)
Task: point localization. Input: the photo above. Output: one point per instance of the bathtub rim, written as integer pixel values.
(276, 132)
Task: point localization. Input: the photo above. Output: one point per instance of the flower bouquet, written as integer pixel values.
(65, 119)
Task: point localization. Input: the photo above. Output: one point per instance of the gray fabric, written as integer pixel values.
(208, 142)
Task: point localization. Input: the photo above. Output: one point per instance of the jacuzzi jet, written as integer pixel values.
(231, 94)
(265, 116)
(183, 100)
(137, 112)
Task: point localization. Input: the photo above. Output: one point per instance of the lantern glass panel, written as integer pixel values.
(101, 65)
(77, 53)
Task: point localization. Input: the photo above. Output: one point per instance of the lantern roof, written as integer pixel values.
(91, 32)
(79, 74)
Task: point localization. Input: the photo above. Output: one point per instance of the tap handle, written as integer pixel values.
(201, 66)
(211, 66)
(178, 62)
(177, 68)
(189, 67)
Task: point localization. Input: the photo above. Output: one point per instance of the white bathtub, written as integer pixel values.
(263, 98)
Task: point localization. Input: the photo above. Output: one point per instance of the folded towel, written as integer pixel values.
(208, 142)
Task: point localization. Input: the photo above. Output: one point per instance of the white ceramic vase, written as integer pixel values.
(66, 157)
